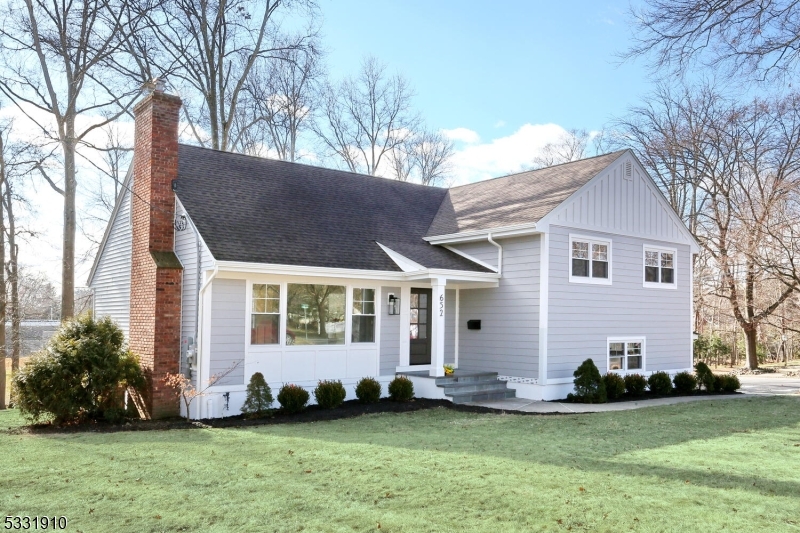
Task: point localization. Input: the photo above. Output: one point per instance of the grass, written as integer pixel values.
(706, 466)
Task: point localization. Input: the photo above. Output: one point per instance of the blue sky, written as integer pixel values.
(493, 67)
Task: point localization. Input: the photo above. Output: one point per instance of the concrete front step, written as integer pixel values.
(466, 377)
(474, 386)
(483, 396)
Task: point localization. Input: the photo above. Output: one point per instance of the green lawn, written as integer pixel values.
(731, 465)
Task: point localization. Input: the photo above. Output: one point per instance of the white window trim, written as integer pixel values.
(284, 293)
(626, 340)
(652, 284)
(591, 240)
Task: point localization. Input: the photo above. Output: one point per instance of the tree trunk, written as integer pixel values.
(68, 250)
(750, 342)
(2, 299)
(13, 279)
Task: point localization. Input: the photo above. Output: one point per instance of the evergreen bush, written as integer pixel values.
(635, 384)
(615, 385)
(589, 386)
(705, 377)
(293, 398)
(329, 394)
(368, 390)
(730, 383)
(660, 383)
(81, 374)
(401, 389)
(259, 396)
(685, 382)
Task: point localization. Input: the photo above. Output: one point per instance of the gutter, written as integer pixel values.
(499, 255)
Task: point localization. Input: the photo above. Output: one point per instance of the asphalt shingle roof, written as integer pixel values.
(516, 199)
(258, 210)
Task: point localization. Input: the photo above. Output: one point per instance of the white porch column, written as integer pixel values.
(437, 327)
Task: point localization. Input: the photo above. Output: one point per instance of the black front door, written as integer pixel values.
(420, 329)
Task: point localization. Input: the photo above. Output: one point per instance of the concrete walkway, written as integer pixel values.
(763, 385)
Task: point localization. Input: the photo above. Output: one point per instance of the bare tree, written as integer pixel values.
(732, 170)
(280, 102)
(423, 157)
(365, 118)
(571, 146)
(208, 50)
(760, 39)
(55, 57)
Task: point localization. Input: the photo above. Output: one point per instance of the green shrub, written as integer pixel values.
(259, 396)
(615, 385)
(660, 383)
(718, 383)
(705, 377)
(401, 389)
(293, 398)
(685, 382)
(730, 383)
(589, 386)
(80, 375)
(368, 390)
(329, 394)
(635, 384)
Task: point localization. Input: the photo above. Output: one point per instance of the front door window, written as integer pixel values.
(419, 329)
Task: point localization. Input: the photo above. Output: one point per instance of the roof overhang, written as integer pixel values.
(460, 276)
(482, 234)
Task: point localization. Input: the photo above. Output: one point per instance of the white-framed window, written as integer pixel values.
(589, 260)
(363, 319)
(626, 354)
(659, 267)
(265, 313)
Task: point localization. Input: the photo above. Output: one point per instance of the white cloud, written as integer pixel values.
(504, 155)
(462, 134)
(499, 123)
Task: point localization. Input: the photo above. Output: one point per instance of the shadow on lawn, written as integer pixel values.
(588, 442)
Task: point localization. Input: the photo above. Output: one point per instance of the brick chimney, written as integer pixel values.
(155, 314)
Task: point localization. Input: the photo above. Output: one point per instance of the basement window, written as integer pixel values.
(626, 355)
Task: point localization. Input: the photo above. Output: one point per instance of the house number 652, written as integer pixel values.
(441, 305)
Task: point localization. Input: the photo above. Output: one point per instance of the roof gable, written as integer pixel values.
(516, 199)
(622, 199)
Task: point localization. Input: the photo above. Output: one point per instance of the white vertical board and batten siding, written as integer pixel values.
(186, 250)
(112, 277)
(228, 328)
(630, 213)
(390, 327)
(508, 340)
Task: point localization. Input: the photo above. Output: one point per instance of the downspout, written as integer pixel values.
(499, 254)
(198, 344)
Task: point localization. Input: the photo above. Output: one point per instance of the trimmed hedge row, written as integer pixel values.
(591, 387)
(329, 394)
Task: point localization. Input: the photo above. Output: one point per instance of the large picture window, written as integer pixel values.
(625, 355)
(316, 313)
(590, 260)
(265, 318)
(363, 315)
(659, 268)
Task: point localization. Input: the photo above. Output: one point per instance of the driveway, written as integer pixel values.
(770, 384)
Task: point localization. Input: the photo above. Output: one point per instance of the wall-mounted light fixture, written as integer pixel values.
(394, 304)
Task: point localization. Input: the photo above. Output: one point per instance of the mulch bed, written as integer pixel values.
(313, 413)
(650, 396)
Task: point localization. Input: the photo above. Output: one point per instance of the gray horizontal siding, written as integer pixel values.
(390, 334)
(482, 250)
(112, 278)
(508, 341)
(582, 316)
(228, 328)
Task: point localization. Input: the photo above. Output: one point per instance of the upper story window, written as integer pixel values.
(590, 260)
(659, 268)
(265, 317)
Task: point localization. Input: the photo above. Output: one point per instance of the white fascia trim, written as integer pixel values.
(471, 258)
(405, 264)
(481, 235)
(299, 270)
